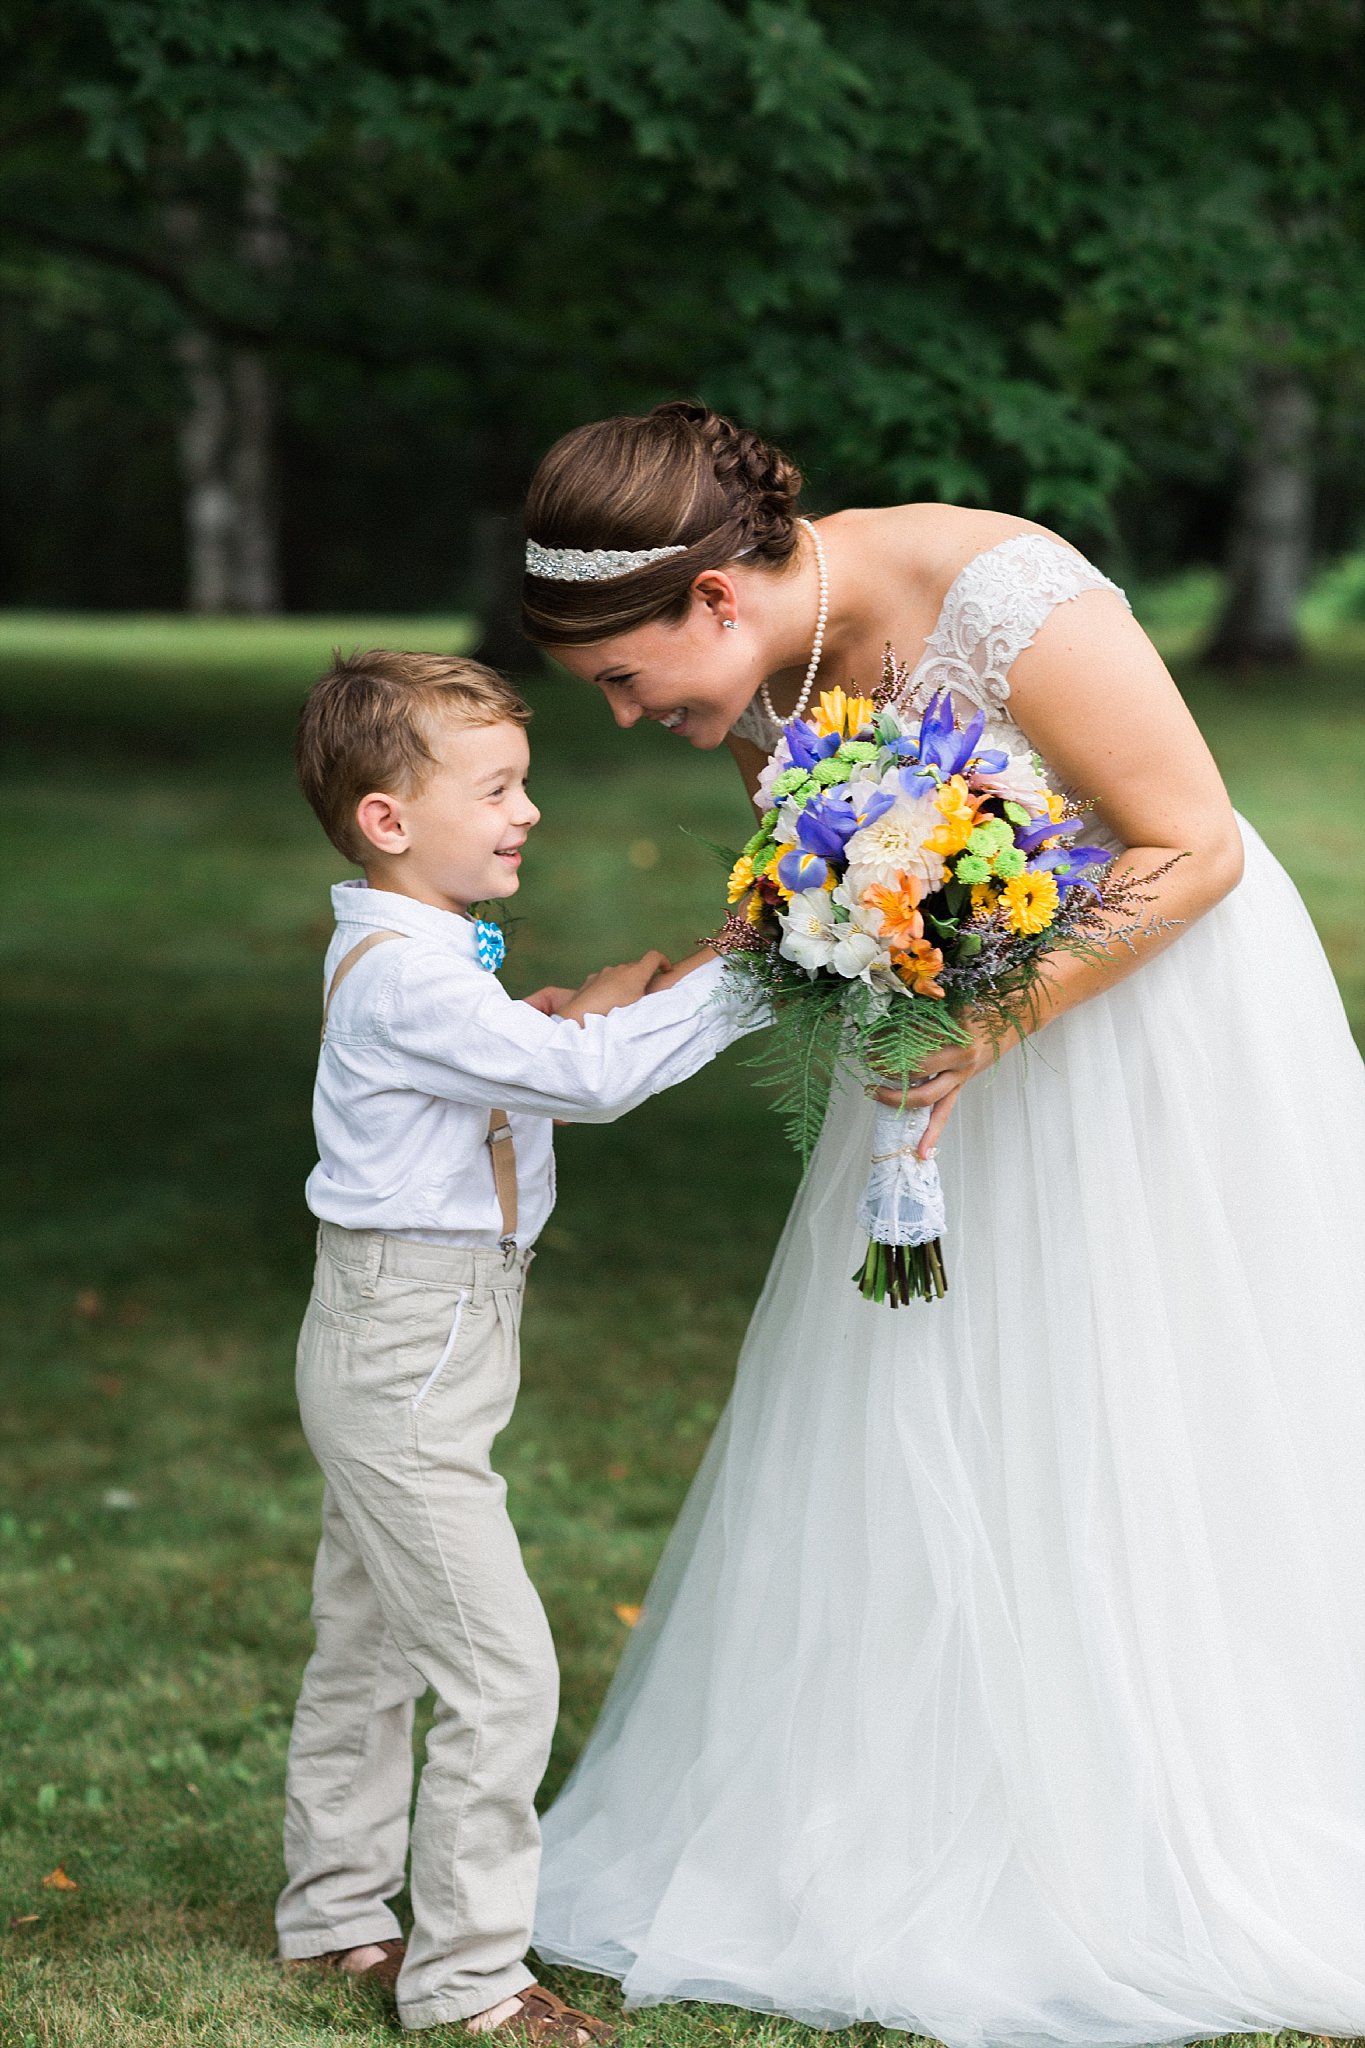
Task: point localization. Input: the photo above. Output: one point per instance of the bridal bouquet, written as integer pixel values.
(901, 876)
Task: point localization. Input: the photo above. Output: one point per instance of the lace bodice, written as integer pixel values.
(992, 610)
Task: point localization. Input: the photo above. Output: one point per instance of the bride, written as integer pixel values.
(1004, 1678)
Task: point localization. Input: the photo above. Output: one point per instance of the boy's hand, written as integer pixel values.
(549, 1001)
(611, 987)
(667, 975)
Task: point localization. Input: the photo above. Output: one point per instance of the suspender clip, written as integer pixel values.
(502, 1151)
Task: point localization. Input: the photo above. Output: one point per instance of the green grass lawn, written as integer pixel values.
(167, 910)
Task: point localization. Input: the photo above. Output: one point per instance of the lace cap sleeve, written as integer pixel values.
(992, 612)
(754, 725)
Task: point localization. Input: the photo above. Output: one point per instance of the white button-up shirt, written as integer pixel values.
(422, 1041)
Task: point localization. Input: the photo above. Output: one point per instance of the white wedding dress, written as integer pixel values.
(1004, 1678)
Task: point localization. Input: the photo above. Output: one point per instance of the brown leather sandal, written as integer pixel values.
(549, 2023)
(384, 1974)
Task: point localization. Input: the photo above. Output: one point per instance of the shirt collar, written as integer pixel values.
(356, 904)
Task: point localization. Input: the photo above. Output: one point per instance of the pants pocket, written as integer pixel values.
(443, 1361)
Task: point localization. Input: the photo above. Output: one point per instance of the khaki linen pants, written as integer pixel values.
(407, 1369)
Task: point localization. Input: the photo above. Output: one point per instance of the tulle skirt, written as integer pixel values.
(1004, 1678)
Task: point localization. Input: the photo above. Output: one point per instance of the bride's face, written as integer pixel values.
(692, 675)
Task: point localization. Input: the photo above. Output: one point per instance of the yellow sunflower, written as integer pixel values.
(742, 877)
(1029, 902)
(984, 899)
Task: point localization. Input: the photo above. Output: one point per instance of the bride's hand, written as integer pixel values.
(943, 1079)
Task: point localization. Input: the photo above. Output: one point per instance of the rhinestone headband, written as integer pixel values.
(590, 565)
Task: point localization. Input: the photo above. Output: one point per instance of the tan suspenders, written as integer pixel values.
(347, 962)
(499, 1139)
(504, 1174)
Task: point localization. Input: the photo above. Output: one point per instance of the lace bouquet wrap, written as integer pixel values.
(902, 878)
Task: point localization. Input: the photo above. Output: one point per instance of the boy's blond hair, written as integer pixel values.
(366, 726)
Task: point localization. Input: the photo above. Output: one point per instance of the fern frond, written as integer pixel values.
(723, 854)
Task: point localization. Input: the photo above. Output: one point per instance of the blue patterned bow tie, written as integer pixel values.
(489, 944)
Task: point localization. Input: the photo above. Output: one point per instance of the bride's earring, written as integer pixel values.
(730, 625)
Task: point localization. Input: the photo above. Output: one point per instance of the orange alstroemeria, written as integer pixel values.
(844, 715)
(917, 965)
(901, 921)
(959, 808)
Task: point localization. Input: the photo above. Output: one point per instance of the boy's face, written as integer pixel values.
(458, 839)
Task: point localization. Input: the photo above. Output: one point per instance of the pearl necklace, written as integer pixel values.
(821, 621)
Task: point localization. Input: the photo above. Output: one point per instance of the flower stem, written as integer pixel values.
(902, 1273)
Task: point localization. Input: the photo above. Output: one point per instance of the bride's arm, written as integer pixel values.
(1094, 697)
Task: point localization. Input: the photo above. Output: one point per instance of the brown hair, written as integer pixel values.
(680, 475)
(366, 725)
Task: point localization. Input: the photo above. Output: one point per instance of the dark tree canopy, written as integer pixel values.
(1045, 255)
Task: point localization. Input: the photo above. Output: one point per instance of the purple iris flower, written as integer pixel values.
(830, 821)
(806, 746)
(943, 748)
(937, 737)
(799, 870)
(1034, 835)
(1067, 865)
(822, 831)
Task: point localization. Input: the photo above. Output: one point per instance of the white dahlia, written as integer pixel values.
(896, 844)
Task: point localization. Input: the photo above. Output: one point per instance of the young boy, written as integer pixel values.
(433, 1110)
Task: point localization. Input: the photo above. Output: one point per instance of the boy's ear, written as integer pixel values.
(379, 820)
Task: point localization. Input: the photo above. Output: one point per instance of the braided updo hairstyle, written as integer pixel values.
(680, 475)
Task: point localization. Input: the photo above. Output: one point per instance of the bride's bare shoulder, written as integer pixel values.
(927, 545)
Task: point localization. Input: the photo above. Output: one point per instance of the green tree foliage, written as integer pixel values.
(1019, 250)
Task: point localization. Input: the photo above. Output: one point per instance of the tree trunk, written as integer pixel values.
(210, 506)
(256, 578)
(227, 435)
(1271, 534)
(263, 248)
